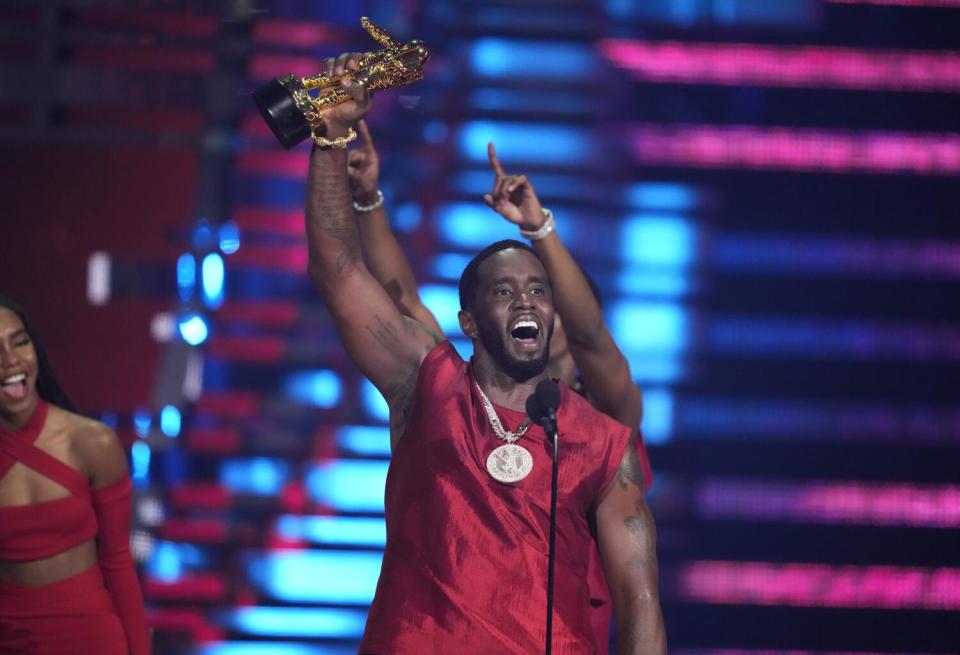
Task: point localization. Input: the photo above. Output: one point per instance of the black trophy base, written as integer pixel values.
(281, 114)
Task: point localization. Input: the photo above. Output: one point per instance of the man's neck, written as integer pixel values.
(499, 387)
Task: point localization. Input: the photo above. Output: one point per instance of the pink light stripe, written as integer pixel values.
(265, 67)
(743, 651)
(786, 66)
(820, 585)
(783, 148)
(848, 503)
(900, 3)
(297, 34)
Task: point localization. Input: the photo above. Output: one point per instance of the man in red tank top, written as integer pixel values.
(468, 491)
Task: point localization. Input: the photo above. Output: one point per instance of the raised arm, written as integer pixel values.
(387, 346)
(627, 539)
(603, 368)
(385, 258)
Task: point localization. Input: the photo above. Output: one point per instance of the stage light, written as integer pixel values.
(186, 276)
(142, 420)
(298, 622)
(193, 329)
(170, 421)
(517, 58)
(364, 440)
(349, 485)
(526, 143)
(140, 462)
(472, 225)
(262, 476)
(334, 530)
(657, 240)
(348, 577)
(229, 237)
(657, 416)
(320, 388)
(444, 302)
(449, 266)
(373, 402)
(99, 278)
(213, 279)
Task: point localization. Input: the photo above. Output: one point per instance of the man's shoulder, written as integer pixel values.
(576, 407)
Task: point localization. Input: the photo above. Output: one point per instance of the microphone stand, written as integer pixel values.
(549, 424)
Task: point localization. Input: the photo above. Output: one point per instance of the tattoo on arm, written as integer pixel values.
(384, 332)
(399, 399)
(332, 212)
(630, 471)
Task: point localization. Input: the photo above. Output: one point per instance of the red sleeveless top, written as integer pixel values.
(465, 565)
(43, 529)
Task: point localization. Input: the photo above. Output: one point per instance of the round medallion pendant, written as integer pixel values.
(509, 463)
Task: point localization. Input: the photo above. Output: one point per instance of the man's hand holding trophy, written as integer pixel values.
(295, 107)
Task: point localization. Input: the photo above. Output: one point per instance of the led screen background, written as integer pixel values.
(766, 194)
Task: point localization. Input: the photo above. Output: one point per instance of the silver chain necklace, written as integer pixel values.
(508, 463)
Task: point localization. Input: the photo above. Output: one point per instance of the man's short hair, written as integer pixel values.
(470, 277)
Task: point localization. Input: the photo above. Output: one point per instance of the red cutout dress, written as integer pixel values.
(99, 610)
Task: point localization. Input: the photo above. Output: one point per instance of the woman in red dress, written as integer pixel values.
(67, 579)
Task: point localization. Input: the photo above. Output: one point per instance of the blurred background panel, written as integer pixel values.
(765, 192)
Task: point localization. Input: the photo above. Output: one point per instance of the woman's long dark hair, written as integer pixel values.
(47, 385)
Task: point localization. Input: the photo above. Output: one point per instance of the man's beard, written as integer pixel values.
(520, 370)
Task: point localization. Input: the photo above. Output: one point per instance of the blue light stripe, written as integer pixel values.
(320, 388)
(662, 282)
(444, 302)
(516, 58)
(374, 402)
(657, 240)
(370, 440)
(472, 225)
(297, 622)
(257, 475)
(662, 196)
(329, 576)
(525, 143)
(651, 328)
(349, 485)
(334, 530)
(273, 648)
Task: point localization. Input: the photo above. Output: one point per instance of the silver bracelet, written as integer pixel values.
(376, 204)
(545, 229)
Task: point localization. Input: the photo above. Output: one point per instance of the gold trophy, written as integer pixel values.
(293, 113)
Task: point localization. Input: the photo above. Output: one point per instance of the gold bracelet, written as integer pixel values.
(339, 143)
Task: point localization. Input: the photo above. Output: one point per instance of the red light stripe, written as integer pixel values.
(787, 66)
(292, 259)
(274, 162)
(286, 222)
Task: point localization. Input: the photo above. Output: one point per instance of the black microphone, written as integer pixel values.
(548, 395)
(542, 406)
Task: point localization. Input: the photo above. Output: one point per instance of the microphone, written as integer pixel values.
(543, 403)
(548, 393)
(542, 406)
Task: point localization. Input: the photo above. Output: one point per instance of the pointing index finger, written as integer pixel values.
(494, 162)
(366, 141)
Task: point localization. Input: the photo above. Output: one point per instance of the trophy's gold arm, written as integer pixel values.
(379, 34)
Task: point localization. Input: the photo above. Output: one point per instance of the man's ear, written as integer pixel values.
(468, 324)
